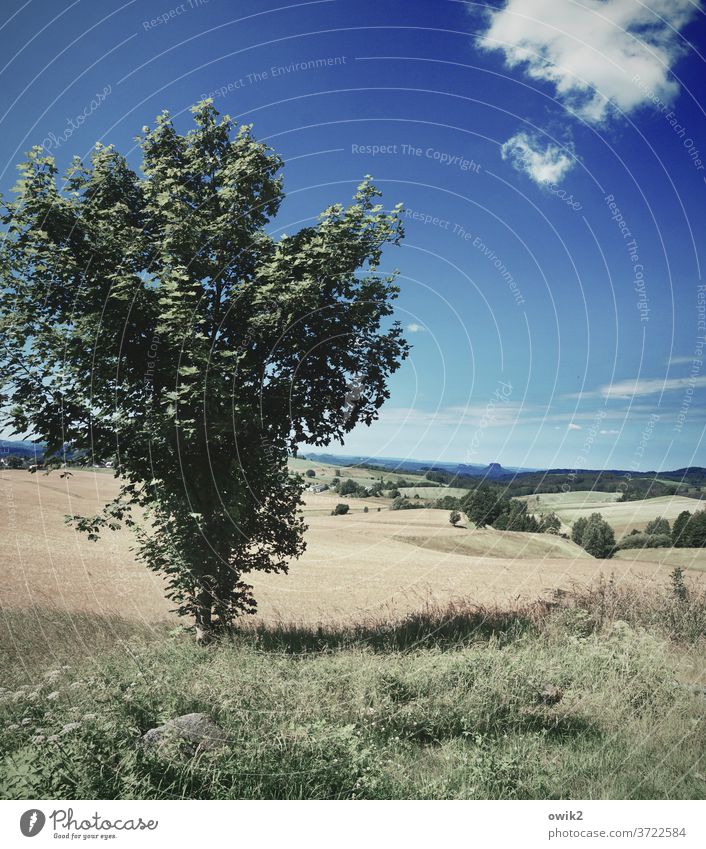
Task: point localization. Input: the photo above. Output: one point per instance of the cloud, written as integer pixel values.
(606, 432)
(573, 426)
(415, 328)
(544, 164)
(652, 386)
(600, 55)
(680, 361)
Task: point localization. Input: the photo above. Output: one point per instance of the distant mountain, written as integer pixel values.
(21, 448)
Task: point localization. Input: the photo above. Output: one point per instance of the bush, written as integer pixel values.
(549, 523)
(689, 530)
(595, 535)
(340, 510)
(484, 505)
(310, 473)
(405, 504)
(645, 540)
(454, 517)
(660, 525)
(351, 487)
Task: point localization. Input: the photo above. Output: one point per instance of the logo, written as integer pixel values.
(32, 822)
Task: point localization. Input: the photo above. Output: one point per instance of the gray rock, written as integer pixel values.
(550, 694)
(196, 732)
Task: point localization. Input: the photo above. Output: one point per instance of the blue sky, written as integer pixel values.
(551, 157)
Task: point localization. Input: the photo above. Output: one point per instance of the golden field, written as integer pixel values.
(356, 567)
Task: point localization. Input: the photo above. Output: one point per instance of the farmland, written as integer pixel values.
(400, 658)
(355, 566)
(622, 516)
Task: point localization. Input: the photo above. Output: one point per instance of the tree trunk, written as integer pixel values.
(204, 621)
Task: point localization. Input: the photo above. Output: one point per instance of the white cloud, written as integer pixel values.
(543, 163)
(606, 432)
(415, 328)
(573, 426)
(651, 386)
(598, 54)
(680, 361)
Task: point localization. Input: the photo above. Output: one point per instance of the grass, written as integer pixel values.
(444, 703)
(622, 516)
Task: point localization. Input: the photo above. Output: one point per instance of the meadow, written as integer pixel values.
(400, 658)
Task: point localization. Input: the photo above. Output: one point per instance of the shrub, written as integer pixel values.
(595, 536)
(405, 504)
(310, 473)
(645, 540)
(454, 517)
(340, 510)
(660, 525)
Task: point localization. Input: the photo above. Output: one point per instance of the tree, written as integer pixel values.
(680, 530)
(310, 473)
(155, 318)
(578, 530)
(514, 517)
(598, 538)
(340, 510)
(483, 505)
(454, 517)
(660, 525)
(350, 487)
(549, 523)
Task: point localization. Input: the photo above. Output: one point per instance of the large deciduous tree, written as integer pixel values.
(155, 321)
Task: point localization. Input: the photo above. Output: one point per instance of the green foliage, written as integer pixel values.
(483, 505)
(153, 319)
(679, 588)
(401, 503)
(549, 523)
(454, 517)
(351, 487)
(645, 540)
(514, 517)
(310, 473)
(660, 525)
(447, 502)
(340, 510)
(595, 535)
(578, 529)
(444, 704)
(689, 530)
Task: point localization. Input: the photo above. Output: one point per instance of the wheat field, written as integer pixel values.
(359, 566)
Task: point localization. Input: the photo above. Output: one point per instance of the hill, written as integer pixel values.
(355, 566)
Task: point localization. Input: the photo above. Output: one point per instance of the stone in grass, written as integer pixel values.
(193, 732)
(550, 694)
